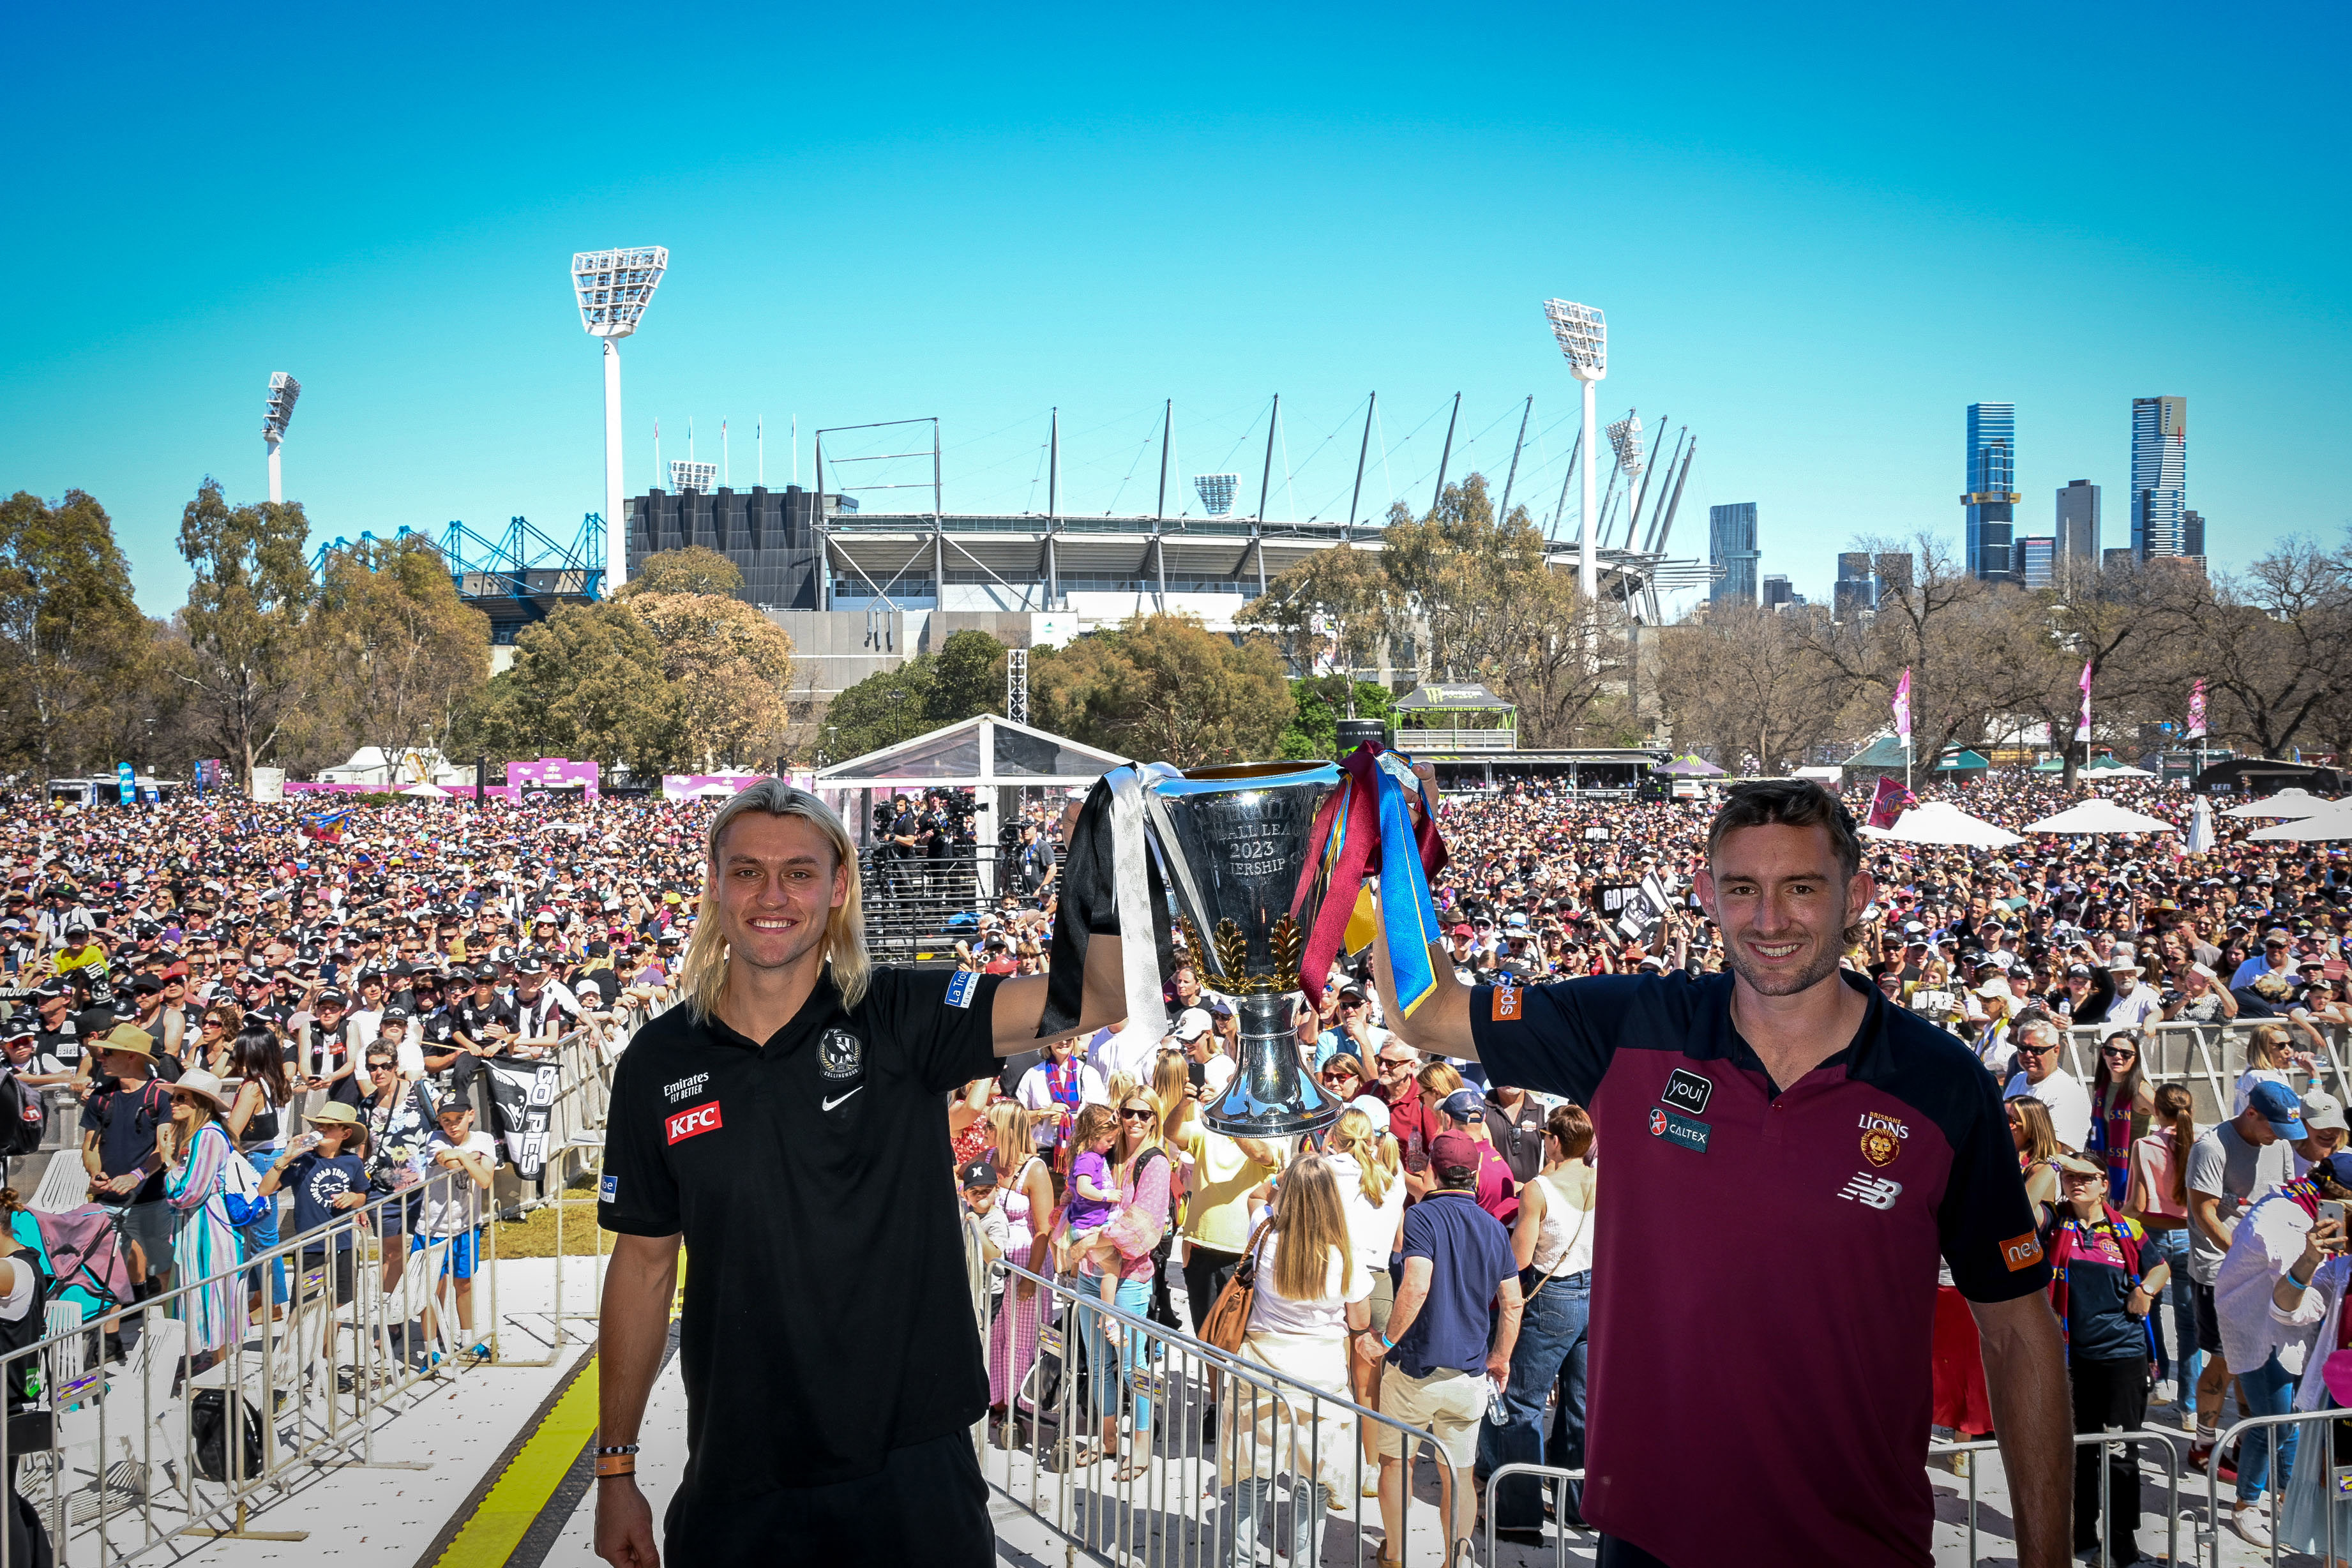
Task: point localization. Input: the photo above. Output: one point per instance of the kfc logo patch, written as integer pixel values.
(685, 1124)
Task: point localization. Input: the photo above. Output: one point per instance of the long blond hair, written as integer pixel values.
(2267, 1047)
(1008, 1126)
(1352, 1135)
(703, 974)
(1308, 1223)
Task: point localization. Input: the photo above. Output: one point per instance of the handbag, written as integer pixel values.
(1228, 1321)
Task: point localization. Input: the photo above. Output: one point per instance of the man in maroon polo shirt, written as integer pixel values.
(1777, 1411)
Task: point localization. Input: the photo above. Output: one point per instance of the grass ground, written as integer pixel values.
(533, 1236)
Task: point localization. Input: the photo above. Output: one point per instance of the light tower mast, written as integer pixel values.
(1583, 334)
(279, 412)
(614, 287)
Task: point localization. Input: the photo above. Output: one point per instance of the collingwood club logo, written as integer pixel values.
(839, 1055)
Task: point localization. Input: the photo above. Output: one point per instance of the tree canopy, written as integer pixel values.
(1164, 688)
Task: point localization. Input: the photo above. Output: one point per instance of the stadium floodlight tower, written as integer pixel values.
(1583, 334)
(1216, 492)
(283, 390)
(614, 288)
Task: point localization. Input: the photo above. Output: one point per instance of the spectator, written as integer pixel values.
(2268, 1060)
(1363, 1160)
(1025, 1198)
(198, 1187)
(119, 1123)
(2103, 1289)
(2121, 1098)
(400, 1124)
(1515, 1124)
(2158, 1202)
(2270, 1319)
(1457, 1311)
(2039, 1077)
(1219, 1173)
(1312, 1295)
(2036, 1141)
(1121, 1360)
(1463, 1112)
(2229, 1168)
(1053, 1092)
(1552, 1245)
(326, 1170)
(459, 1163)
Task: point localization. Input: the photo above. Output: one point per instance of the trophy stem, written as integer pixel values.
(1273, 1093)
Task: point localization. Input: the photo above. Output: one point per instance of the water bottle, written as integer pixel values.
(1496, 1412)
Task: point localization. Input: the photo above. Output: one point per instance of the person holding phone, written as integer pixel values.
(2103, 1279)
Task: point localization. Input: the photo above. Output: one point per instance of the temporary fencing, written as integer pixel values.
(114, 1458)
(2326, 1488)
(1134, 1441)
(2209, 1057)
(1969, 1460)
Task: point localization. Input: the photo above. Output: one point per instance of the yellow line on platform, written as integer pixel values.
(517, 1499)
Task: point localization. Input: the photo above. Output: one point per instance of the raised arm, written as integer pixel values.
(1441, 1021)
(1020, 1005)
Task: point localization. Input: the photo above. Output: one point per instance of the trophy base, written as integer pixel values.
(1274, 1094)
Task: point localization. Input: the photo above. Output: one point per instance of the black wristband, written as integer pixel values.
(616, 1449)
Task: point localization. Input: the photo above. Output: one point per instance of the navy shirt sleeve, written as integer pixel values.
(1986, 1223)
(1556, 1038)
(942, 1020)
(639, 1195)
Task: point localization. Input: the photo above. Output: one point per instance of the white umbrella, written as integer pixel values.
(2286, 802)
(2116, 771)
(2201, 827)
(1940, 822)
(2099, 815)
(715, 791)
(424, 789)
(2336, 822)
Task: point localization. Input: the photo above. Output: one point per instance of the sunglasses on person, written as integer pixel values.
(1138, 1113)
(2037, 1051)
(1329, 1073)
(1395, 1064)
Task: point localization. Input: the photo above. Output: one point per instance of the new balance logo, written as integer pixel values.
(1873, 1191)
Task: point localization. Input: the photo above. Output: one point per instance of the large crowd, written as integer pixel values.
(205, 985)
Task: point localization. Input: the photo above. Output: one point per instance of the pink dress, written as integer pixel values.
(1012, 1332)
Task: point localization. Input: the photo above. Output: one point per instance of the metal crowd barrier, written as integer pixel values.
(2210, 1056)
(2334, 1490)
(117, 1461)
(1161, 1492)
(2170, 1443)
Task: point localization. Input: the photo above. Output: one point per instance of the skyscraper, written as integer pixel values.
(2036, 554)
(2077, 551)
(2192, 534)
(1992, 497)
(1731, 545)
(2159, 466)
(1778, 594)
(1853, 594)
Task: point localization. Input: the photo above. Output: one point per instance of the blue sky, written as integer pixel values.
(1819, 234)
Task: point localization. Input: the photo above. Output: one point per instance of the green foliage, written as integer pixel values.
(693, 569)
(247, 614)
(72, 643)
(1322, 702)
(402, 651)
(964, 679)
(1164, 688)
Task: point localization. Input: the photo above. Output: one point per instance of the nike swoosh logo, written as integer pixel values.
(829, 1104)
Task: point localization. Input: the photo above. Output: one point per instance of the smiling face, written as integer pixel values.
(777, 882)
(1784, 903)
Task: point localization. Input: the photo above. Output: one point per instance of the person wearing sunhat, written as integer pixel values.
(326, 1172)
(198, 1188)
(119, 1121)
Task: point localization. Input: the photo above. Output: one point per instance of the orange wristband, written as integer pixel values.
(610, 1465)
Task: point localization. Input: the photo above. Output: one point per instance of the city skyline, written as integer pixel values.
(989, 249)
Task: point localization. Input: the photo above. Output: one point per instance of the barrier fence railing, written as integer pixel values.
(202, 1421)
(2326, 1492)
(2211, 1057)
(2119, 1451)
(1183, 1454)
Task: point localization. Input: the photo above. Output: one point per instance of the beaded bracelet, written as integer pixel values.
(617, 1448)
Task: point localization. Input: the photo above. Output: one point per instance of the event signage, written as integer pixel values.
(522, 1094)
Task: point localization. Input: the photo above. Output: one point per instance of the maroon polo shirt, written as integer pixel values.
(1764, 1269)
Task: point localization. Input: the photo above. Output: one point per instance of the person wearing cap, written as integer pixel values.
(790, 1113)
(325, 1058)
(482, 1023)
(80, 950)
(119, 1121)
(2268, 1315)
(1460, 1109)
(2104, 1280)
(2135, 1005)
(1552, 1241)
(460, 1162)
(2276, 959)
(28, 1064)
(1456, 1314)
(199, 1191)
(2232, 1165)
(2040, 1074)
(1792, 1082)
(326, 1170)
(977, 1178)
(545, 1009)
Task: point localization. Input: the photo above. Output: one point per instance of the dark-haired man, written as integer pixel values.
(1863, 1139)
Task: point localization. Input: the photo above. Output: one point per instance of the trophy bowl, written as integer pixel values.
(1234, 842)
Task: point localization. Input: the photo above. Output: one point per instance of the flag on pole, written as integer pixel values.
(1890, 802)
(2082, 729)
(2197, 712)
(1903, 705)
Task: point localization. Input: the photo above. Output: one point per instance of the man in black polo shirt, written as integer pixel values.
(789, 1124)
(1780, 1415)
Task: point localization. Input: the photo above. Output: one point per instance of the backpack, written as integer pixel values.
(241, 1196)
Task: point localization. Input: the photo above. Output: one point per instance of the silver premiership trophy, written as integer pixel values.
(1234, 842)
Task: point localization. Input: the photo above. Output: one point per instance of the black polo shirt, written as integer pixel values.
(828, 1319)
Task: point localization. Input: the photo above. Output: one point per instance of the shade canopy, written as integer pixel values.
(972, 753)
(1940, 822)
(2100, 815)
(1689, 767)
(2286, 802)
(1433, 698)
(424, 790)
(2201, 827)
(2108, 768)
(2336, 822)
(715, 791)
